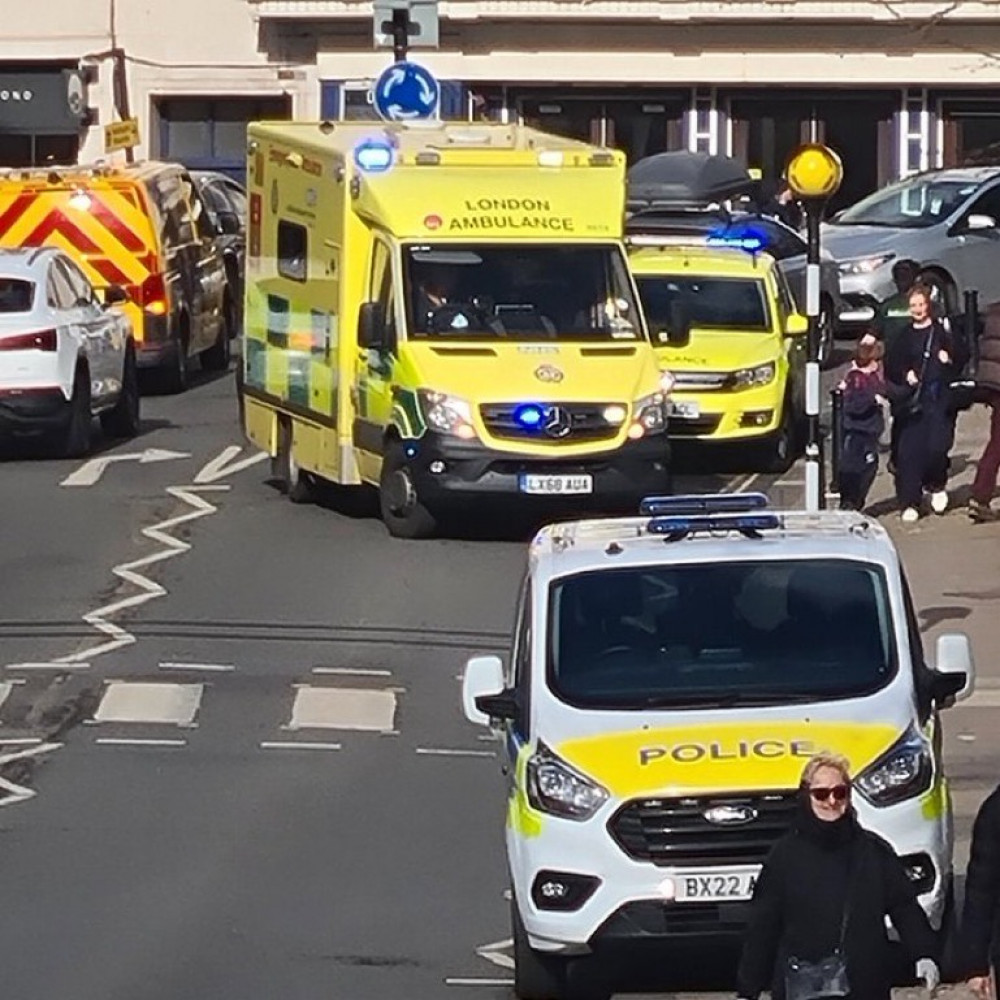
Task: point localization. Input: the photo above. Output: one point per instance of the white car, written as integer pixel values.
(65, 356)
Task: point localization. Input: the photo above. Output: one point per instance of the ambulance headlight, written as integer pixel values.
(746, 378)
(650, 416)
(905, 770)
(560, 790)
(447, 414)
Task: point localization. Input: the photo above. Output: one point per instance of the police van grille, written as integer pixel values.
(675, 831)
(586, 422)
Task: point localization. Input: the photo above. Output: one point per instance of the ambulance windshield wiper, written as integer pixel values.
(728, 699)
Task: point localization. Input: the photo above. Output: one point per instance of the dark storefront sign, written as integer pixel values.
(43, 102)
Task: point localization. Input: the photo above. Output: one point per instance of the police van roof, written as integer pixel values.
(608, 543)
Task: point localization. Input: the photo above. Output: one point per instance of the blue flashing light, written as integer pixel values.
(746, 524)
(529, 416)
(741, 237)
(703, 503)
(374, 156)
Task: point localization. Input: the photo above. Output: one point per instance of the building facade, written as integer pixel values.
(894, 85)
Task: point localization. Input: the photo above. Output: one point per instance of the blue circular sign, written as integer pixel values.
(406, 92)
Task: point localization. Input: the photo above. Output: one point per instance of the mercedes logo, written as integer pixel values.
(730, 815)
(558, 422)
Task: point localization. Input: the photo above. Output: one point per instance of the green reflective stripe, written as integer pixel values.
(407, 415)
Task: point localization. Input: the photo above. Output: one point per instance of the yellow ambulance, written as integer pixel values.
(445, 311)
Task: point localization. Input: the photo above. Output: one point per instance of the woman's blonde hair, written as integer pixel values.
(826, 758)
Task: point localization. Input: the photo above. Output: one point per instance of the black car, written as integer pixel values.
(226, 201)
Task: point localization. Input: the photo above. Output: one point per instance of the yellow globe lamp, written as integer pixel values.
(814, 171)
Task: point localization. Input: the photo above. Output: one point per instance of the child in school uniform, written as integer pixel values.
(863, 423)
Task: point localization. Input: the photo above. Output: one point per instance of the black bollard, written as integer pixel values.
(837, 436)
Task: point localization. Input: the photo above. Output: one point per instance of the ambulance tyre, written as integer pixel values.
(76, 435)
(218, 356)
(536, 976)
(122, 421)
(295, 483)
(777, 451)
(403, 513)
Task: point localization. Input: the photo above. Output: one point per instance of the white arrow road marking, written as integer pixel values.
(223, 466)
(148, 589)
(91, 472)
(493, 953)
(15, 792)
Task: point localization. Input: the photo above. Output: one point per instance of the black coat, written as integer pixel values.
(979, 942)
(798, 908)
(906, 353)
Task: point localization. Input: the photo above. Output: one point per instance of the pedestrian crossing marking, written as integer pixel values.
(155, 704)
(343, 708)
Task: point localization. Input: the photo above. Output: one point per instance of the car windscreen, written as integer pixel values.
(720, 634)
(713, 303)
(16, 295)
(519, 292)
(910, 204)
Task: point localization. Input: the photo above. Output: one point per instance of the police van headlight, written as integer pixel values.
(905, 770)
(560, 790)
(746, 378)
(650, 416)
(447, 414)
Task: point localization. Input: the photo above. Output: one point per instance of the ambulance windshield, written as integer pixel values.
(720, 634)
(519, 292)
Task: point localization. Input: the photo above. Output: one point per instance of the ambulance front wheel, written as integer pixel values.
(536, 976)
(402, 510)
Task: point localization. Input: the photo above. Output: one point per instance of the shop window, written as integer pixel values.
(293, 241)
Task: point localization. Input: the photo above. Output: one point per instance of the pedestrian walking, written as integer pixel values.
(920, 365)
(893, 315)
(862, 424)
(817, 923)
(987, 380)
(978, 950)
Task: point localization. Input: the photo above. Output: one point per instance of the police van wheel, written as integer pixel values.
(403, 513)
(293, 481)
(536, 977)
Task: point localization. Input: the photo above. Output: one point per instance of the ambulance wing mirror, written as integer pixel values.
(371, 326)
(484, 697)
(954, 669)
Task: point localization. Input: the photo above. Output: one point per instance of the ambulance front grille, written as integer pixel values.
(677, 831)
(582, 422)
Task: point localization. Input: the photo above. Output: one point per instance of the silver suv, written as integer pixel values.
(946, 220)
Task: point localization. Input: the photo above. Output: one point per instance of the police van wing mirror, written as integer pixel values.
(954, 668)
(371, 326)
(484, 697)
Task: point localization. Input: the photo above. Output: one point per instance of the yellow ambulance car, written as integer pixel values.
(445, 312)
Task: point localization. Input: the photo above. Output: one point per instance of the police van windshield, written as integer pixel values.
(533, 292)
(715, 635)
(709, 303)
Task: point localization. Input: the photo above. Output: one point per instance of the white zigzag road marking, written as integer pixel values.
(148, 589)
(18, 793)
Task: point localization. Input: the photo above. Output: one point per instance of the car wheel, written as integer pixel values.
(295, 483)
(402, 510)
(123, 420)
(943, 291)
(218, 356)
(536, 976)
(76, 440)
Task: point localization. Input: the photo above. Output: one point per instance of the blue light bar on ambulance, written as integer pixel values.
(677, 527)
(374, 156)
(703, 503)
(751, 243)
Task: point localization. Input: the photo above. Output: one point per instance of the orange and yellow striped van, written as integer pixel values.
(141, 227)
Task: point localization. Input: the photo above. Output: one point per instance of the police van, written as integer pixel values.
(669, 677)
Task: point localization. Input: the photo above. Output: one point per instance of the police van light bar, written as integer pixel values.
(374, 156)
(746, 524)
(703, 503)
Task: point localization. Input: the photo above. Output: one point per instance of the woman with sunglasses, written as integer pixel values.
(817, 924)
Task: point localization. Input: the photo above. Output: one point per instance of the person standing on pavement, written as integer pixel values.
(822, 897)
(978, 946)
(919, 368)
(988, 390)
(863, 421)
